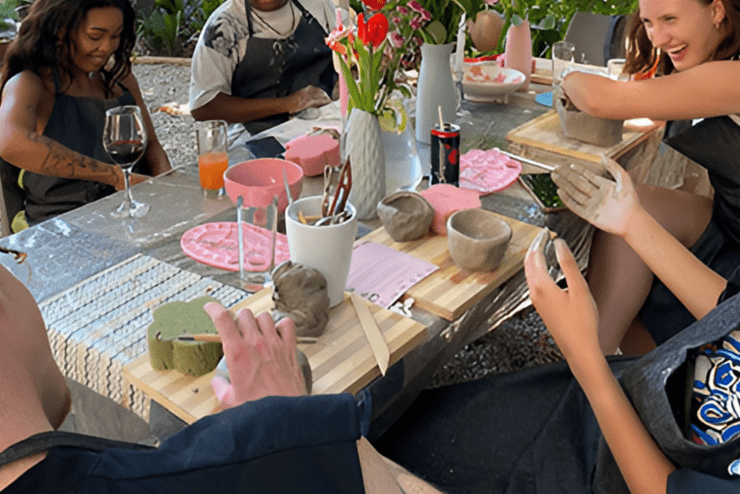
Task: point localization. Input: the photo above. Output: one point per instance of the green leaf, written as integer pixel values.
(352, 89)
(516, 20)
(549, 22)
(437, 32)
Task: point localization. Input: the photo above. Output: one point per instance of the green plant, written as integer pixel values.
(7, 11)
(549, 20)
(174, 23)
(161, 30)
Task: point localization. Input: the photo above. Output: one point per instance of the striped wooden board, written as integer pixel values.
(542, 139)
(341, 360)
(450, 291)
(98, 326)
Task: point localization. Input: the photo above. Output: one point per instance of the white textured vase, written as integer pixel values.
(435, 88)
(364, 147)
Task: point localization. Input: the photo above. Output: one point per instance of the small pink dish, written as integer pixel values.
(488, 171)
(313, 153)
(258, 181)
(217, 245)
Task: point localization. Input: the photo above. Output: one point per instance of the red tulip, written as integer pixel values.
(374, 31)
(374, 4)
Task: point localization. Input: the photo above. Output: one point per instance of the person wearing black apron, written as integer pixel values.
(47, 196)
(289, 72)
(274, 68)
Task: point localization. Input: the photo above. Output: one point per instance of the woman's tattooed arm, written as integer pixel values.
(63, 162)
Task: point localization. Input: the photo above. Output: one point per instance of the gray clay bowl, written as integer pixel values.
(406, 215)
(477, 239)
(583, 127)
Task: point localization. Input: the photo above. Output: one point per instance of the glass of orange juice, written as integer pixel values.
(212, 158)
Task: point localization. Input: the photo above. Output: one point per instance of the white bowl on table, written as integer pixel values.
(485, 82)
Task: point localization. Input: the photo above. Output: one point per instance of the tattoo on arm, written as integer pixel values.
(63, 162)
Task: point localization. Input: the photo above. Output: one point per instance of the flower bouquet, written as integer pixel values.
(435, 21)
(369, 60)
(368, 65)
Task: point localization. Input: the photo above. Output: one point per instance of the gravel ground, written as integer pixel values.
(522, 341)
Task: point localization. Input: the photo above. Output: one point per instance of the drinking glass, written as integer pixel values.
(563, 55)
(212, 157)
(615, 68)
(125, 140)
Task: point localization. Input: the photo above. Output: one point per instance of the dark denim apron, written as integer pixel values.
(275, 68)
(713, 143)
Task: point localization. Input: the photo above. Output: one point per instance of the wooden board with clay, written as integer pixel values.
(341, 360)
(450, 291)
(543, 140)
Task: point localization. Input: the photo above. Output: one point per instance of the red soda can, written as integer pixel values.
(445, 156)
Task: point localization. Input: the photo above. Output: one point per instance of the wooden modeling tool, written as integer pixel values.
(372, 332)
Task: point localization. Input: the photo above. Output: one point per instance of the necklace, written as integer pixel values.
(292, 22)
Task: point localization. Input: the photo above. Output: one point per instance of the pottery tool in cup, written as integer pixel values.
(333, 204)
(374, 336)
(287, 187)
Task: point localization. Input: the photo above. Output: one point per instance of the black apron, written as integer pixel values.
(43, 441)
(275, 68)
(714, 143)
(77, 123)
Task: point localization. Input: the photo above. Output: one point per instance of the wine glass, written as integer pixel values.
(125, 140)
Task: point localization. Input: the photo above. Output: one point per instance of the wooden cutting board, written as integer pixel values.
(543, 140)
(450, 291)
(341, 360)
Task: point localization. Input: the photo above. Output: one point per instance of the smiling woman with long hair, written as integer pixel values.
(69, 63)
(693, 47)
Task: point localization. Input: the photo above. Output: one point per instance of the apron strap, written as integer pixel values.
(52, 439)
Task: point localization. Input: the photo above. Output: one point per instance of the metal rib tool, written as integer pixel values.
(529, 161)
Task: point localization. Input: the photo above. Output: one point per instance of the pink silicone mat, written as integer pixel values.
(217, 245)
(488, 171)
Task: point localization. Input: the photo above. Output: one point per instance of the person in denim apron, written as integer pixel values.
(692, 46)
(269, 438)
(55, 94)
(285, 68)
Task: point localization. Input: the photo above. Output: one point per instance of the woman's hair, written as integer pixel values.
(643, 57)
(38, 43)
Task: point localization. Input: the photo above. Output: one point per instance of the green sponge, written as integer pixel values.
(166, 352)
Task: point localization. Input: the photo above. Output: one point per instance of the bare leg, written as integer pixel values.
(619, 280)
(637, 340)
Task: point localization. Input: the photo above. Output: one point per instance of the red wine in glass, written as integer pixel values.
(126, 153)
(125, 140)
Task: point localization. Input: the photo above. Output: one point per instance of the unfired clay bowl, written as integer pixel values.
(583, 127)
(477, 239)
(405, 215)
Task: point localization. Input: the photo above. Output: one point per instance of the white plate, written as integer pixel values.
(486, 81)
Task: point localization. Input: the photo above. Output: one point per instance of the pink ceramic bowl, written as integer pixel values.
(257, 181)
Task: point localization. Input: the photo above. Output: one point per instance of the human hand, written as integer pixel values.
(571, 314)
(308, 97)
(260, 356)
(607, 204)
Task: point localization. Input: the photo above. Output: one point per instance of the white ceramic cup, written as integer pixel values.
(327, 248)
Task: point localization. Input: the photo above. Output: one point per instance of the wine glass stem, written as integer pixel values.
(126, 175)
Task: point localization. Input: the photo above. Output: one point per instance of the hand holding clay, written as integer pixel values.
(308, 97)
(570, 314)
(260, 356)
(605, 203)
